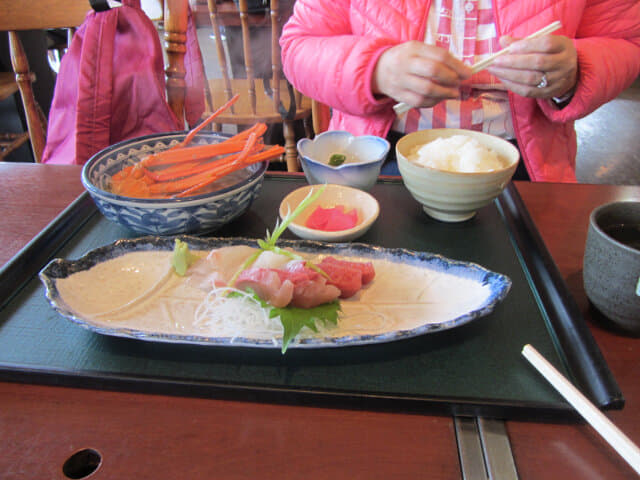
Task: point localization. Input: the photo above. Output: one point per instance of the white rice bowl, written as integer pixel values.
(455, 194)
(458, 153)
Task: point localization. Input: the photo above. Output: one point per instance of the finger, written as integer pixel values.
(445, 59)
(529, 78)
(525, 90)
(426, 87)
(436, 72)
(419, 101)
(419, 92)
(544, 44)
(529, 61)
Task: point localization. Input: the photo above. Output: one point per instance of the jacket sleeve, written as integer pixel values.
(325, 60)
(608, 44)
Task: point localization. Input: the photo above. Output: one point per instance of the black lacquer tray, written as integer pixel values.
(476, 369)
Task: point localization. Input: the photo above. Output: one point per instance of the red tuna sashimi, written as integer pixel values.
(347, 276)
(332, 219)
(305, 287)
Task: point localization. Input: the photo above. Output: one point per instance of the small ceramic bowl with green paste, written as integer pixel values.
(340, 158)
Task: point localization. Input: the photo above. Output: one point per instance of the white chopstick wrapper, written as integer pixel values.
(612, 434)
(402, 107)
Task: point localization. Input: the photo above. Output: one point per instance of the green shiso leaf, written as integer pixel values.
(293, 319)
(182, 257)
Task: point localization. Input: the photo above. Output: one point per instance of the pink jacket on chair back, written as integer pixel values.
(111, 86)
(330, 50)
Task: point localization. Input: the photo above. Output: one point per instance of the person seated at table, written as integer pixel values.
(361, 57)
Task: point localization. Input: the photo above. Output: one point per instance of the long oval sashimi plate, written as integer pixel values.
(128, 289)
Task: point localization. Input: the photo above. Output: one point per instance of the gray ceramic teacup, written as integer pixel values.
(611, 268)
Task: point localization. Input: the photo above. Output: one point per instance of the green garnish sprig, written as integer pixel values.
(269, 243)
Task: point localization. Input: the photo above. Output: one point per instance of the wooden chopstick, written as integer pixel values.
(482, 64)
(402, 107)
(612, 434)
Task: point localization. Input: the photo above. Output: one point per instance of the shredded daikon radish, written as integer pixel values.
(243, 316)
(239, 316)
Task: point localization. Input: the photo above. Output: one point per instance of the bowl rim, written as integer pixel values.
(344, 133)
(94, 190)
(461, 131)
(337, 233)
(598, 211)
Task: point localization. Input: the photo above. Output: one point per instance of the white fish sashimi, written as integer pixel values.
(270, 259)
(218, 267)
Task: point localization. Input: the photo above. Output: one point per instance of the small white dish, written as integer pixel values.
(366, 205)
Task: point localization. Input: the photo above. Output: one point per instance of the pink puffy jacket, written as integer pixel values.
(330, 49)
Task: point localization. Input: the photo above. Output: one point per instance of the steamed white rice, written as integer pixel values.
(458, 153)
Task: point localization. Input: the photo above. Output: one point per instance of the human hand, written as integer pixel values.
(522, 69)
(418, 74)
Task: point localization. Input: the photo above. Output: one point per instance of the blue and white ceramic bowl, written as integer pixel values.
(364, 158)
(196, 214)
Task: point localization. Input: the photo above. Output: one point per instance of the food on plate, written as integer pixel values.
(182, 257)
(332, 219)
(280, 287)
(279, 278)
(137, 294)
(458, 153)
(337, 159)
(182, 171)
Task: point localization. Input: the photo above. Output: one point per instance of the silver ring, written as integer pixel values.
(543, 82)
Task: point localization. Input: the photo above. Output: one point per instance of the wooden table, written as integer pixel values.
(157, 437)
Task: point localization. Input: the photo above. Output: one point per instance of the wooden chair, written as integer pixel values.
(321, 114)
(264, 97)
(31, 15)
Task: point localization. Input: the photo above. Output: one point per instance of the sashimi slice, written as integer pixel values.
(301, 287)
(226, 261)
(268, 285)
(310, 288)
(347, 279)
(368, 272)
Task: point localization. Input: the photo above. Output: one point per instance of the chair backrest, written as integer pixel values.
(321, 114)
(35, 15)
(247, 62)
(42, 14)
